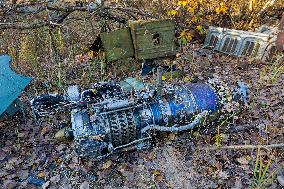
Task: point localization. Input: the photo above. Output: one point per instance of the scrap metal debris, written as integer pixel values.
(113, 117)
(240, 43)
(280, 36)
(11, 86)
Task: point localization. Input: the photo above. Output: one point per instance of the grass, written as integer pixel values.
(218, 138)
(269, 75)
(261, 178)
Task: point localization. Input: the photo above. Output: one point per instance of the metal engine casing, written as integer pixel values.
(129, 111)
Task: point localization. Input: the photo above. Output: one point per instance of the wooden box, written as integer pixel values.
(117, 44)
(153, 39)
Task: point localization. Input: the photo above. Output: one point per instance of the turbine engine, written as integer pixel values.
(116, 116)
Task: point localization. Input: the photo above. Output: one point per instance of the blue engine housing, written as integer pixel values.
(113, 129)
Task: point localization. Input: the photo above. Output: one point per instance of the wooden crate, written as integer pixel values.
(153, 39)
(117, 44)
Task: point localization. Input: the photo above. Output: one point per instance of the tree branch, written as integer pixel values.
(59, 13)
(239, 147)
(24, 26)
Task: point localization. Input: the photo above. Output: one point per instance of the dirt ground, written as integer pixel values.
(30, 154)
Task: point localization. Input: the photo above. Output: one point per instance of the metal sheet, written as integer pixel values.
(11, 84)
(239, 43)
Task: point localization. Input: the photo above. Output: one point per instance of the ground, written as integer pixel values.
(179, 160)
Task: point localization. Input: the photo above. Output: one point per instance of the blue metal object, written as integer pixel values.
(35, 181)
(241, 92)
(112, 117)
(11, 86)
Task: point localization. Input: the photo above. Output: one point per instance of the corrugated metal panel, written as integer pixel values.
(239, 43)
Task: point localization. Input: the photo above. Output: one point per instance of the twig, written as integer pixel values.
(23, 26)
(230, 129)
(101, 12)
(240, 147)
(268, 4)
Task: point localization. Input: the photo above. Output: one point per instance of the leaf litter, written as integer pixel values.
(30, 151)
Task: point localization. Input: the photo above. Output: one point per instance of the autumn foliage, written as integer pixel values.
(196, 15)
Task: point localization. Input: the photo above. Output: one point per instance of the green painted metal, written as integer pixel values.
(153, 39)
(117, 44)
(144, 40)
(11, 86)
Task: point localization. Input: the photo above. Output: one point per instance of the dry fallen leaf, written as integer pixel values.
(44, 131)
(107, 164)
(243, 160)
(172, 136)
(156, 172)
(41, 175)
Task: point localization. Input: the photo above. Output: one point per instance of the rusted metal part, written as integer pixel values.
(280, 36)
(239, 43)
(11, 86)
(280, 41)
(281, 25)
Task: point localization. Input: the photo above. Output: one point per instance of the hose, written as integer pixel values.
(177, 128)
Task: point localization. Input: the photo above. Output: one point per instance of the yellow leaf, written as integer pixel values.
(200, 29)
(186, 79)
(41, 175)
(33, 166)
(218, 10)
(195, 5)
(182, 3)
(156, 172)
(90, 54)
(191, 10)
(185, 35)
(163, 78)
(248, 158)
(107, 164)
(222, 8)
(172, 13)
(192, 20)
